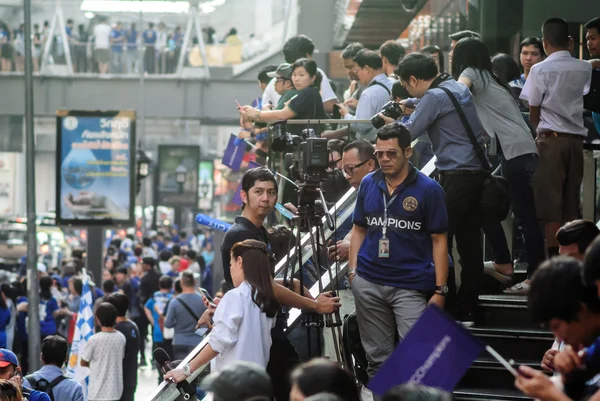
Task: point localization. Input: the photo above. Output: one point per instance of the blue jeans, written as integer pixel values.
(519, 172)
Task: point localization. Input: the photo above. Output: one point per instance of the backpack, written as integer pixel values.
(353, 349)
(43, 385)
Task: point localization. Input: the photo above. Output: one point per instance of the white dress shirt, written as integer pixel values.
(241, 332)
(557, 85)
(271, 95)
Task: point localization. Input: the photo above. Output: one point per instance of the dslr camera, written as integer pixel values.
(391, 109)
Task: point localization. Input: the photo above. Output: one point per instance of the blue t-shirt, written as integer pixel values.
(149, 36)
(132, 38)
(22, 322)
(158, 300)
(47, 321)
(418, 211)
(4, 320)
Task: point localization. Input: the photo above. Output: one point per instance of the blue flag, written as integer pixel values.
(436, 352)
(237, 198)
(234, 153)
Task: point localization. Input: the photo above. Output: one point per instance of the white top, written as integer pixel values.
(558, 84)
(102, 35)
(105, 352)
(165, 267)
(241, 332)
(271, 95)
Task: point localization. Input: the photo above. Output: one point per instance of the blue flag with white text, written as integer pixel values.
(436, 352)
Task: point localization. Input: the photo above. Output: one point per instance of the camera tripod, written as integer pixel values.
(309, 219)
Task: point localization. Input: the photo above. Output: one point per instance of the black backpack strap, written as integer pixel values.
(186, 306)
(53, 384)
(32, 381)
(463, 118)
(382, 85)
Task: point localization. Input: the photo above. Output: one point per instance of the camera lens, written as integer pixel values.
(377, 121)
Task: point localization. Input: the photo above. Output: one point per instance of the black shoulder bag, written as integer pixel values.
(495, 201)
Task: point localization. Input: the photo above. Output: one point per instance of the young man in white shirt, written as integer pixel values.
(101, 45)
(295, 48)
(554, 90)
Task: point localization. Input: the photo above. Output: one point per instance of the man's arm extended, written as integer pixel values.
(358, 236)
(324, 304)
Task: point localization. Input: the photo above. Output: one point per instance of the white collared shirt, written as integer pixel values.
(558, 85)
(241, 332)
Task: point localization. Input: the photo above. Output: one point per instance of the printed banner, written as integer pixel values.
(234, 153)
(96, 167)
(436, 352)
(178, 175)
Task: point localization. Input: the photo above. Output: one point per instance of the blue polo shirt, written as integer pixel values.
(418, 211)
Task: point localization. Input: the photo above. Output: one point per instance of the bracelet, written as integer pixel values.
(352, 271)
(257, 116)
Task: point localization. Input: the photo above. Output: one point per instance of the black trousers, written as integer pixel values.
(283, 360)
(142, 323)
(128, 393)
(463, 196)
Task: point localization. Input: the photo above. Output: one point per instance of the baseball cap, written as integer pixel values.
(7, 358)
(239, 381)
(42, 268)
(284, 71)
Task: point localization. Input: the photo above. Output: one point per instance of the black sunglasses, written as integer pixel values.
(350, 169)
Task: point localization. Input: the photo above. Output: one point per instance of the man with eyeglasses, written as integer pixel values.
(398, 260)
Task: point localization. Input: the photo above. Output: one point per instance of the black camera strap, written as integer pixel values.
(380, 84)
(441, 78)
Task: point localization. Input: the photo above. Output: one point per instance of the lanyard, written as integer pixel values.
(385, 209)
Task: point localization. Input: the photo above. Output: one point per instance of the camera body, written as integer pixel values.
(391, 109)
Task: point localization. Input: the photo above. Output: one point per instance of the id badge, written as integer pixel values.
(384, 248)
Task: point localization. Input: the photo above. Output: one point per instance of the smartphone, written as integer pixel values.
(201, 331)
(284, 212)
(239, 106)
(336, 112)
(207, 295)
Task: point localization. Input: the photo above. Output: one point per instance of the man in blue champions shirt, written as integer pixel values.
(398, 250)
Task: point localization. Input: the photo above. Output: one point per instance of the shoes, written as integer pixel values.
(521, 288)
(467, 319)
(143, 362)
(490, 269)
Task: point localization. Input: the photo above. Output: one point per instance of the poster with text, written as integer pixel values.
(178, 175)
(95, 167)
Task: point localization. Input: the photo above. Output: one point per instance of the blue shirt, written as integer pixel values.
(596, 117)
(436, 116)
(149, 36)
(418, 211)
(117, 47)
(67, 389)
(34, 395)
(159, 300)
(132, 38)
(47, 321)
(4, 320)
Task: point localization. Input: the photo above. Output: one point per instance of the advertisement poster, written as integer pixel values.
(178, 175)
(95, 167)
(8, 164)
(206, 185)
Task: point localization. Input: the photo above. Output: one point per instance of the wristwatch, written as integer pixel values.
(441, 290)
(186, 370)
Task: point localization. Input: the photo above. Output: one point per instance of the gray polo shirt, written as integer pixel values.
(436, 116)
(500, 115)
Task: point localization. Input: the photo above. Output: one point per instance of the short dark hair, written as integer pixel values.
(398, 131)
(311, 68)
(122, 270)
(191, 254)
(187, 279)
(262, 75)
(165, 283)
(297, 47)
(593, 24)
(106, 314)
(165, 255)
(393, 51)
(367, 57)
(580, 232)
(257, 174)
(108, 286)
(464, 34)
(323, 376)
(433, 49)
(146, 241)
(54, 350)
(120, 302)
(336, 145)
(418, 65)
(505, 67)
(532, 41)
(555, 31)
(279, 240)
(591, 264)
(177, 286)
(365, 149)
(351, 50)
(148, 260)
(176, 250)
(398, 90)
(77, 284)
(416, 392)
(558, 290)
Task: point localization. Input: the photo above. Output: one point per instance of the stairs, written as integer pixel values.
(506, 327)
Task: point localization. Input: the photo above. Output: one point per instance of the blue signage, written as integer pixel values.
(95, 168)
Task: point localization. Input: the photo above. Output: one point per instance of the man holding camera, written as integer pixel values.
(378, 88)
(461, 172)
(398, 250)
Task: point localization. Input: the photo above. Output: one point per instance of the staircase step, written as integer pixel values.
(476, 394)
(518, 344)
(488, 373)
(505, 311)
